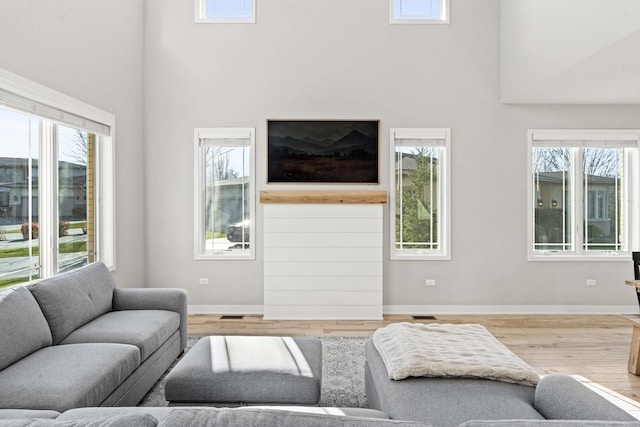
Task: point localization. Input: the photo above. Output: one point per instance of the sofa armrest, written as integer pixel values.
(170, 299)
(561, 397)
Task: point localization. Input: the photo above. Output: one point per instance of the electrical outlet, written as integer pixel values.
(592, 282)
(430, 282)
(203, 281)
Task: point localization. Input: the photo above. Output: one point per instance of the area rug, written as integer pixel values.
(342, 374)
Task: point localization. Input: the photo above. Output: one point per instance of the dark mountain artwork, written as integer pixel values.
(322, 151)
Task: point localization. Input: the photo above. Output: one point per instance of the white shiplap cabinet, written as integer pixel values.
(322, 261)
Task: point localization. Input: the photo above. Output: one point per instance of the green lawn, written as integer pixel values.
(65, 248)
(5, 283)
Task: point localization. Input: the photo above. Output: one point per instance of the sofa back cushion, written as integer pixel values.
(73, 299)
(24, 328)
(131, 420)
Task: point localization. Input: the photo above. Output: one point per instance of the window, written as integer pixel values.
(581, 183)
(55, 164)
(420, 197)
(225, 11)
(419, 11)
(224, 223)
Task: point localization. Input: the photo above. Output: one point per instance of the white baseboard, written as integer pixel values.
(509, 309)
(444, 309)
(225, 309)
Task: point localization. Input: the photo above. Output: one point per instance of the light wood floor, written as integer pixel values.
(595, 347)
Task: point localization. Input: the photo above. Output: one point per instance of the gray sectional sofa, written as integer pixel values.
(205, 416)
(444, 402)
(259, 417)
(77, 351)
(75, 340)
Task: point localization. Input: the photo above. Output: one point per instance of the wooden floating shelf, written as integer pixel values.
(635, 283)
(325, 197)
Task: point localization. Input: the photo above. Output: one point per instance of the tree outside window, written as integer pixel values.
(420, 197)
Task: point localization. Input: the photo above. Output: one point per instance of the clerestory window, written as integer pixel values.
(581, 184)
(225, 11)
(419, 11)
(420, 199)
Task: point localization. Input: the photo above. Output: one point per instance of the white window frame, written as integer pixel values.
(428, 137)
(54, 107)
(201, 15)
(585, 138)
(444, 17)
(200, 252)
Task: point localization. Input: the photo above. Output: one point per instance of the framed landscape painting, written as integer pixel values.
(322, 151)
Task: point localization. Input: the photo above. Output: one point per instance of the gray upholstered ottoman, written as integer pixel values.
(240, 370)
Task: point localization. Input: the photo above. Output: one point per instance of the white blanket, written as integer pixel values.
(445, 350)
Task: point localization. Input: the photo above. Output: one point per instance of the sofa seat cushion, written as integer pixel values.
(25, 328)
(73, 299)
(67, 376)
(248, 417)
(446, 401)
(146, 329)
(161, 412)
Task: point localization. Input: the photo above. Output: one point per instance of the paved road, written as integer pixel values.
(15, 241)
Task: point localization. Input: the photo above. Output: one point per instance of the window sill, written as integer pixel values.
(417, 256)
(607, 257)
(224, 256)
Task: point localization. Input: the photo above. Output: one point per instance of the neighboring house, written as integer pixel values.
(14, 190)
(228, 201)
(551, 197)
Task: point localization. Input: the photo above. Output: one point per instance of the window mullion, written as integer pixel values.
(401, 201)
(578, 210)
(48, 200)
(431, 191)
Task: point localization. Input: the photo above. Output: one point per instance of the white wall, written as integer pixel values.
(570, 51)
(92, 51)
(312, 59)
(341, 59)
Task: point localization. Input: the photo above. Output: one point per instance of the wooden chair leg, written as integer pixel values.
(634, 352)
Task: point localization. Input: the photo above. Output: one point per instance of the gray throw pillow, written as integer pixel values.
(131, 420)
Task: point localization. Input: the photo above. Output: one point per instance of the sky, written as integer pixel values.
(15, 133)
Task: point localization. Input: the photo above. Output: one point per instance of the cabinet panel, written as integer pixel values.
(322, 261)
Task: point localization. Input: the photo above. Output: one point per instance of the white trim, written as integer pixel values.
(225, 309)
(441, 309)
(555, 135)
(48, 185)
(509, 309)
(42, 94)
